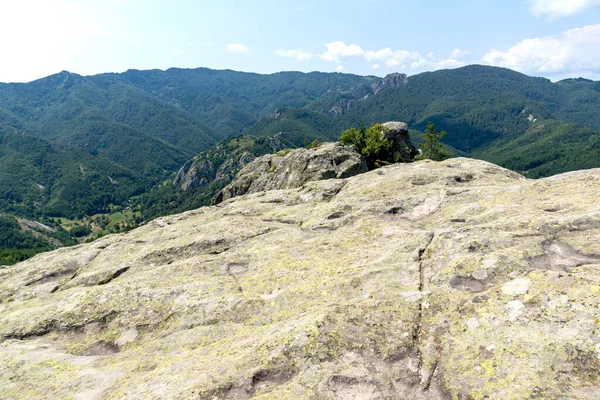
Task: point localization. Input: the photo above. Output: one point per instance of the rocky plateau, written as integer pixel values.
(450, 280)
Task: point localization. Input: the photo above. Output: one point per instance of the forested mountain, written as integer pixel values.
(74, 146)
(95, 141)
(475, 104)
(546, 148)
(230, 101)
(39, 178)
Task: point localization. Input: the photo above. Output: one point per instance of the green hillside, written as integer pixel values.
(478, 106)
(40, 179)
(546, 148)
(20, 239)
(69, 133)
(231, 101)
(79, 147)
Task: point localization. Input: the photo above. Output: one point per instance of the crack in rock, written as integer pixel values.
(114, 275)
(426, 382)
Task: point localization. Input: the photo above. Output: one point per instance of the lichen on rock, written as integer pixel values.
(292, 169)
(463, 285)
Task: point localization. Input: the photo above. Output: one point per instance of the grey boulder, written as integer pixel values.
(293, 169)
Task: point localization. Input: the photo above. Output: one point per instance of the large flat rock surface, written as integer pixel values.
(452, 280)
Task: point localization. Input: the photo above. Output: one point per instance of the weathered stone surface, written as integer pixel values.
(218, 166)
(293, 169)
(370, 287)
(390, 80)
(229, 169)
(194, 173)
(362, 92)
(397, 133)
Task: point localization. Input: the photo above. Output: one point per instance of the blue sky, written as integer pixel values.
(552, 38)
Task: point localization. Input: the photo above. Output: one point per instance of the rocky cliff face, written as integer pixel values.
(287, 170)
(452, 280)
(390, 80)
(219, 166)
(195, 173)
(361, 92)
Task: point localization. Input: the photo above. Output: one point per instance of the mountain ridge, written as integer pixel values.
(145, 125)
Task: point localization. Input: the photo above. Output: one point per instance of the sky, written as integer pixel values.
(556, 39)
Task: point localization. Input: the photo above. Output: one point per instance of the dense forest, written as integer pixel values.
(95, 141)
(476, 105)
(102, 153)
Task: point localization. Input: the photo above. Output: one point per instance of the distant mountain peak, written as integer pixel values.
(391, 80)
(363, 91)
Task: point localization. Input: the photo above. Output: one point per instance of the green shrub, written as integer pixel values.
(80, 231)
(283, 152)
(377, 150)
(314, 144)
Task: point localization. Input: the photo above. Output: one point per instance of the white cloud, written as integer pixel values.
(339, 50)
(436, 63)
(340, 69)
(177, 52)
(458, 54)
(573, 52)
(379, 55)
(237, 48)
(554, 9)
(392, 59)
(402, 58)
(299, 55)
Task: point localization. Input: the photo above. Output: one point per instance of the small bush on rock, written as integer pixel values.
(371, 143)
(314, 144)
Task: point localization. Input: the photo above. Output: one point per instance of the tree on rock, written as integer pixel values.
(432, 147)
(376, 147)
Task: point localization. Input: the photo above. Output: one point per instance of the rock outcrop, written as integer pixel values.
(451, 280)
(362, 92)
(218, 166)
(195, 173)
(390, 80)
(397, 133)
(288, 170)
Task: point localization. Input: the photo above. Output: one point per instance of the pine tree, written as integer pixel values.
(432, 147)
